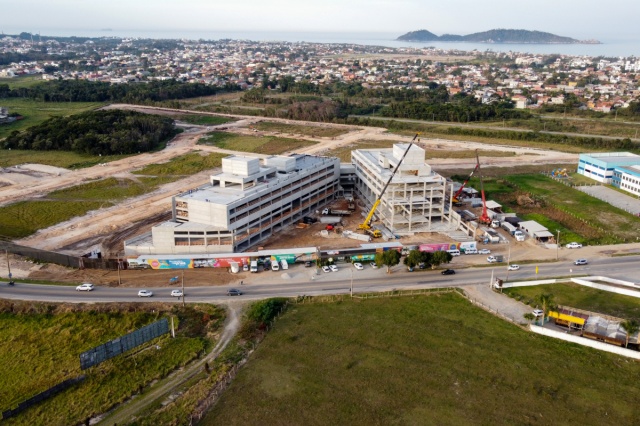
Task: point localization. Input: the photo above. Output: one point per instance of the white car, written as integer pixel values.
(538, 312)
(85, 287)
(484, 251)
(513, 267)
(326, 269)
(574, 245)
(358, 266)
(176, 293)
(334, 268)
(373, 265)
(245, 267)
(491, 259)
(145, 293)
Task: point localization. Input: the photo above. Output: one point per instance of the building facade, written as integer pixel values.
(244, 204)
(601, 166)
(415, 200)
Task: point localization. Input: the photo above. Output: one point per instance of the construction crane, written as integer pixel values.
(366, 225)
(484, 217)
(456, 197)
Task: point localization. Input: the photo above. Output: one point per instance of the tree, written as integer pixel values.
(529, 317)
(388, 258)
(413, 258)
(630, 327)
(440, 257)
(546, 301)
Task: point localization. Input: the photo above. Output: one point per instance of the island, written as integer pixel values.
(495, 36)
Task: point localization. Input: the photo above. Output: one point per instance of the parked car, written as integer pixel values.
(574, 245)
(448, 272)
(234, 292)
(308, 264)
(513, 267)
(176, 293)
(145, 293)
(245, 267)
(492, 259)
(538, 312)
(471, 251)
(326, 269)
(580, 262)
(373, 265)
(484, 251)
(85, 287)
(333, 268)
(358, 266)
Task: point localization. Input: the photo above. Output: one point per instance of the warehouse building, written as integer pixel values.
(601, 166)
(244, 204)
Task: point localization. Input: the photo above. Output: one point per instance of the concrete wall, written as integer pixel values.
(612, 289)
(585, 342)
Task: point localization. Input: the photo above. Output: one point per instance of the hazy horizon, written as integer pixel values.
(570, 18)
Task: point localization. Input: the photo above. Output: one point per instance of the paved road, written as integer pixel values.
(339, 282)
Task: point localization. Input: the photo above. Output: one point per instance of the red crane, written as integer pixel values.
(484, 217)
(456, 199)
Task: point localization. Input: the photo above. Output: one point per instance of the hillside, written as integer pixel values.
(494, 36)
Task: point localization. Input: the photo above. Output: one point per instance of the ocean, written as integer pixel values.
(612, 46)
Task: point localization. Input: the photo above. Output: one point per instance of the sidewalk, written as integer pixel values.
(502, 305)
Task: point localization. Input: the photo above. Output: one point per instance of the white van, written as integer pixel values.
(254, 266)
(454, 252)
(275, 266)
(284, 264)
(470, 251)
(519, 235)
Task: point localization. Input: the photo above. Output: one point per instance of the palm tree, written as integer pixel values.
(546, 303)
(630, 327)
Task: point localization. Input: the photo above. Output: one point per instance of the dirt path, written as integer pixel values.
(128, 411)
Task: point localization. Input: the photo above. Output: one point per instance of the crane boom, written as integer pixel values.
(484, 217)
(456, 200)
(367, 221)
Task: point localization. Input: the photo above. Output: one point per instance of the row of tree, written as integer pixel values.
(98, 133)
(94, 91)
(391, 258)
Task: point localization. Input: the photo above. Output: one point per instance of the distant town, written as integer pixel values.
(529, 81)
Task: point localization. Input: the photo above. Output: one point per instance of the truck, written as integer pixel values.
(519, 235)
(495, 223)
(336, 212)
(375, 233)
(284, 264)
(253, 266)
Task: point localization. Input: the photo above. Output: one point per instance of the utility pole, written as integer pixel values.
(119, 279)
(508, 264)
(6, 252)
(558, 245)
(351, 289)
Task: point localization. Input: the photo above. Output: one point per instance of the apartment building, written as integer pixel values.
(415, 200)
(247, 202)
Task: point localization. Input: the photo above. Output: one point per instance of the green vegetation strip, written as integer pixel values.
(204, 120)
(581, 297)
(42, 343)
(268, 145)
(313, 131)
(36, 112)
(184, 165)
(64, 159)
(435, 360)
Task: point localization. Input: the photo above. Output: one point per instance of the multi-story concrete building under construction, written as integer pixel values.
(416, 199)
(243, 205)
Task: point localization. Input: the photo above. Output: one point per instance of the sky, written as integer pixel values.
(572, 18)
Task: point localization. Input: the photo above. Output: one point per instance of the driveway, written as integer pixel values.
(627, 203)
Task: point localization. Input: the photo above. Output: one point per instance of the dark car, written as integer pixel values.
(448, 272)
(234, 292)
(308, 264)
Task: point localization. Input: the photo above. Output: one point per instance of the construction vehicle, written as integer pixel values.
(336, 212)
(484, 217)
(456, 197)
(366, 225)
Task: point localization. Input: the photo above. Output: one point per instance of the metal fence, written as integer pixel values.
(46, 256)
(42, 396)
(123, 344)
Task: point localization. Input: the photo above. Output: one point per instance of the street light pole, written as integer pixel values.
(558, 245)
(183, 288)
(508, 263)
(351, 288)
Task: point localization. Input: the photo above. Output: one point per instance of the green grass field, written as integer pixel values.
(110, 189)
(296, 129)
(184, 165)
(344, 152)
(22, 81)
(577, 296)
(578, 216)
(64, 159)
(422, 360)
(268, 145)
(204, 120)
(35, 112)
(42, 343)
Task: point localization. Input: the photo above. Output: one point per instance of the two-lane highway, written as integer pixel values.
(625, 268)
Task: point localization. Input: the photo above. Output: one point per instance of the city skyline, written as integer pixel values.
(571, 18)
